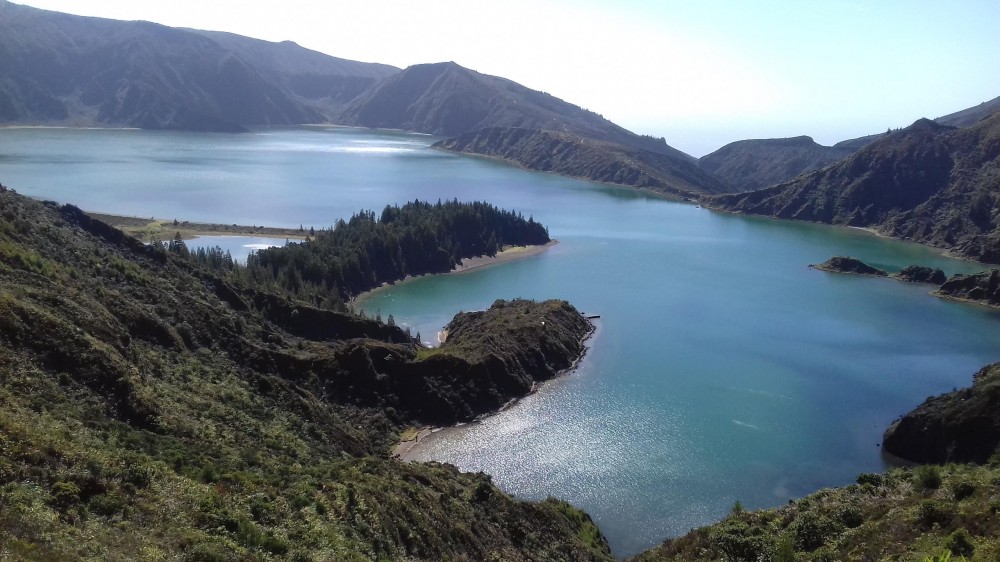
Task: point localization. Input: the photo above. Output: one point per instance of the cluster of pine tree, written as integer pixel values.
(366, 251)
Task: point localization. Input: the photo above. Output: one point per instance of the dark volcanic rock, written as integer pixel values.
(841, 264)
(961, 426)
(983, 288)
(928, 183)
(921, 274)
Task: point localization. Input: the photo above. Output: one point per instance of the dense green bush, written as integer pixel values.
(928, 477)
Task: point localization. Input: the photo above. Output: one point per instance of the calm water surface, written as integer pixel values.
(723, 369)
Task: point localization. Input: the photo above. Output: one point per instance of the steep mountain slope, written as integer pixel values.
(319, 81)
(750, 165)
(448, 100)
(496, 117)
(970, 116)
(754, 164)
(927, 183)
(62, 69)
(575, 156)
(151, 409)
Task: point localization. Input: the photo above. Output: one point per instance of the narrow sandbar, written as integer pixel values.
(147, 229)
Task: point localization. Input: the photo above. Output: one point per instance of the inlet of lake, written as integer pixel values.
(723, 367)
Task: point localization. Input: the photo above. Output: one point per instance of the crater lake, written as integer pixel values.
(723, 369)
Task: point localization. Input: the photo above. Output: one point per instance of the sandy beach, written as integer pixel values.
(508, 254)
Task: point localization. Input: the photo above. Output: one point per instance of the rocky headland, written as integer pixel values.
(961, 426)
(982, 288)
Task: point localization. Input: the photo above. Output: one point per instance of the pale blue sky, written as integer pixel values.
(700, 73)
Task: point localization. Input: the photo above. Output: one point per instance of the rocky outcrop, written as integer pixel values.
(982, 288)
(921, 274)
(841, 264)
(586, 158)
(961, 426)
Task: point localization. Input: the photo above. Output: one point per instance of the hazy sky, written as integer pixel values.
(701, 73)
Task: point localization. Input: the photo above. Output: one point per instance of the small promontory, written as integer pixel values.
(842, 264)
(981, 288)
(961, 426)
(501, 352)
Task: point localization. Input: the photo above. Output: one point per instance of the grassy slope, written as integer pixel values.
(145, 415)
(902, 515)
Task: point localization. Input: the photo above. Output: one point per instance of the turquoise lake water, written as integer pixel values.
(723, 368)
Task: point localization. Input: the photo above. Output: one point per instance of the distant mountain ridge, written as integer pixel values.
(448, 100)
(595, 160)
(753, 164)
(928, 183)
(495, 117)
(749, 165)
(71, 70)
(60, 69)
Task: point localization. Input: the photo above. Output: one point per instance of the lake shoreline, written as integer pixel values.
(508, 254)
(403, 451)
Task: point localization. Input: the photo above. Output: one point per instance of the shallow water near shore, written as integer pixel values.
(724, 368)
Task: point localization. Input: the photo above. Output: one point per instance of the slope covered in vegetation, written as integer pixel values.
(753, 164)
(589, 158)
(905, 514)
(927, 183)
(151, 409)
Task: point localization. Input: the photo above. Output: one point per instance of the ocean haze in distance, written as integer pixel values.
(700, 74)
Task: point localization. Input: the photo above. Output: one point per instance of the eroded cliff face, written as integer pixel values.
(961, 426)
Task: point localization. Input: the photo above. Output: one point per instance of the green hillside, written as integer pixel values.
(152, 410)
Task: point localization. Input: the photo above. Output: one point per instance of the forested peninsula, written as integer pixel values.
(155, 408)
(366, 251)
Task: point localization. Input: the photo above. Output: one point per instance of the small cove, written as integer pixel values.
(724, 368)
